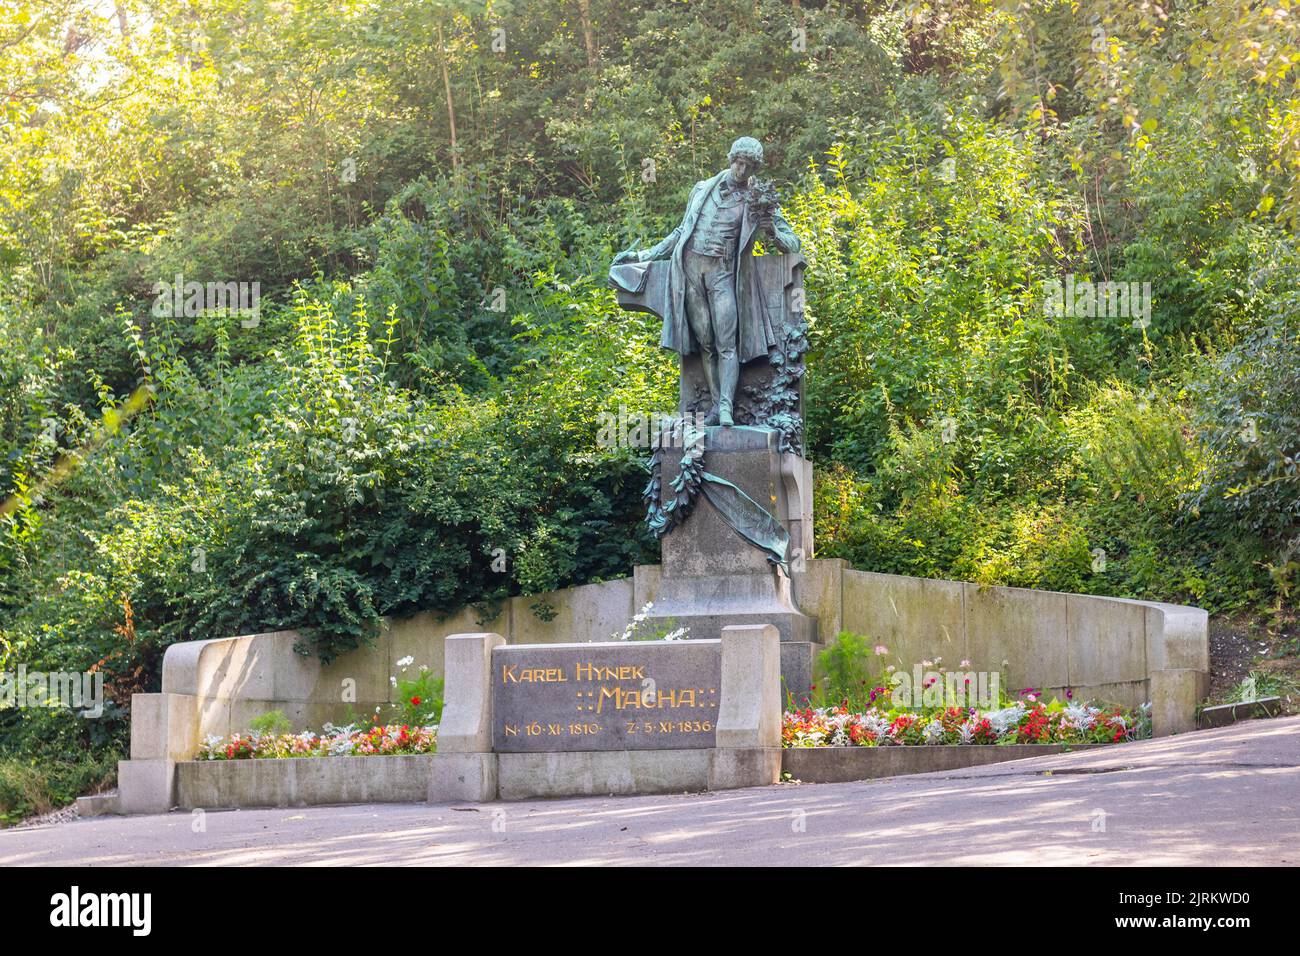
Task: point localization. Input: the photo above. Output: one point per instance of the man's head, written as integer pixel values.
(745, 158)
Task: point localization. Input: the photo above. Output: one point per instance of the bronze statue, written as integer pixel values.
(715, 303)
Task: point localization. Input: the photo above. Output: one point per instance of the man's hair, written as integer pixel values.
(748, 148)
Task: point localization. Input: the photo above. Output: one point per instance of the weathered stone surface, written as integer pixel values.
(798, 661)
(589, 612)
(593, 697)
(646, 579)
(308, 781)
(1225, 714)
(731, 768)
(146, 786)
(916, 618)
(1175, 695)
(705, 545)
(750, 713)
(586, 773)
(818, 592)
(164, 726)
(1025, 628)
(467, 776)
(467, 712)
(844, 764)
(421, 637)
(1107, 640)
(1177, 637)
(97, 805)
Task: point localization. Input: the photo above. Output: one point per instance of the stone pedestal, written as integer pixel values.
(712, 577)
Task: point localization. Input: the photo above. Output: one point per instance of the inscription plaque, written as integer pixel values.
(639, 695)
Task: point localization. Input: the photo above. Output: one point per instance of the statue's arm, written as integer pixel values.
(663, 249)
(782, 235)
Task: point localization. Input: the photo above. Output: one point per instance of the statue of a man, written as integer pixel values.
(715, 305)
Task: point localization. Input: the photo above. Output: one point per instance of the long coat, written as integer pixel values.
(753, 315)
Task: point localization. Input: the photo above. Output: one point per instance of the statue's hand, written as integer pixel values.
(627, 255)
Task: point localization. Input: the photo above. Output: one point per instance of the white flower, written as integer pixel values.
(406, 661)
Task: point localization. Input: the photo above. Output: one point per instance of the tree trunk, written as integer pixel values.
(588, 36)
(451, 108)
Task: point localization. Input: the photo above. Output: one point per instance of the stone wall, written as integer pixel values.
(1113, 649)
(1125, 651)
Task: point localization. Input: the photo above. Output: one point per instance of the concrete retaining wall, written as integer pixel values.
(323, 781)
(302, 781)
(1128, 652)
(1113, 649)
(845, 764)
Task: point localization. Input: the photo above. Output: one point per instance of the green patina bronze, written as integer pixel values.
(726, 307)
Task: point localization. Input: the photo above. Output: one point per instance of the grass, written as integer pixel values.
(28, 787)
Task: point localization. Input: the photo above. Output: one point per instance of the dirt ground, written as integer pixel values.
(1241, 643)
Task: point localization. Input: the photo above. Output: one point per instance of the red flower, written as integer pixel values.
(415, 701)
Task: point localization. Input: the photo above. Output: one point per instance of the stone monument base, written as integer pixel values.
(608, 719)
(713, 577)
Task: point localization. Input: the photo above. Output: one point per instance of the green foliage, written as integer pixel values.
(419, 699)
(28, 786)
(411, 424)
(273, 722)
(848, 673)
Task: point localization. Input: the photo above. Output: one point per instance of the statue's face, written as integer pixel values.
(741, 169)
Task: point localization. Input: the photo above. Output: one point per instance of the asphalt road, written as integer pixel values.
(1220, 797)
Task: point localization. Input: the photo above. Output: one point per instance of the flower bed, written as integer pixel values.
(1021, 722)
(349, 741)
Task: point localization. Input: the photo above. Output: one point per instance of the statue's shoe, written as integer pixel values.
(724, 417)
(713, 418)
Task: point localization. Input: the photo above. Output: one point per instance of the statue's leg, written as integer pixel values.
(726, 331)
(697, 315)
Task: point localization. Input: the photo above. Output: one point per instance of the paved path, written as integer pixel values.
(1229, 796)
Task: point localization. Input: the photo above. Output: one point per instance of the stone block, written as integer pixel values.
(1175, 695)
(1025, 628)
(733, 768)
(457, 777)
(1107, 640)
(798, 663)
(164, 726)
(600, 773)
(244, 666)
(623, 695)
(646, 579)
(365, 670)
(1225, 715)
(97, 805)
(845, 764)
(583, 614)
(1177, 638)
(214, 717)
(916, 618)
(749, 714)
(467, 714)
(422, 636)
(818, 592)
(303, 782)
(705, 545)
(146, 786)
